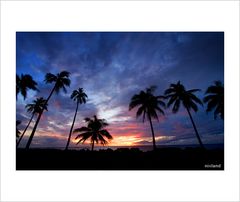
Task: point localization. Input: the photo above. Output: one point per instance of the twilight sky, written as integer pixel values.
(111, 68)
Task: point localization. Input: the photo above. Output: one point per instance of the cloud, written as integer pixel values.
(111, 68)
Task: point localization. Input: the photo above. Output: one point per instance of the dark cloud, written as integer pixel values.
(112, 67)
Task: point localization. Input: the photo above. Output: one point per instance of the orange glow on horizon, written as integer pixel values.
(129, 140)
(121, 137)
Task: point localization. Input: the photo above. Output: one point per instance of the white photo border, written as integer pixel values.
(119, 16)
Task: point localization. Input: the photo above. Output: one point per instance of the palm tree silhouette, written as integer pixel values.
(79, 96)
(215, 99)
(177, 95)
(24, 83)
(94, 130)
(148, 105)
(61, 80)
(33, 108)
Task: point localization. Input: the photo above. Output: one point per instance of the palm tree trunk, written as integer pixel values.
(69, 138)
(154, 143)
(50, 95)
(195, 128)
(25, 130)
(38, 119)
(92, 145)
(33, 131)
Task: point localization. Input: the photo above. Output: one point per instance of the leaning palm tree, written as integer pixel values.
(61, 80)
(94, 130)
(149, 105)
(80, 97)
(215, 99)
(24, 83)
(34, 109)
(177, 95)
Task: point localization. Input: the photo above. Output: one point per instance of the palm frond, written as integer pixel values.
(94, 130)
(169, 91)
(140, 111)
(215, 99)
(152, 113)
(50, 78)
(195, 98)
(177, 94)
(208, 98)
(37, 106)
(64, 74)
(176, 106)
(79, 96)
(106, 134)
(160, 110)
(135, 101)
(65, 81)
(192, 105)
(102, 140)
(82, 129)
(171, 100)
(161, 103)
(84, 136)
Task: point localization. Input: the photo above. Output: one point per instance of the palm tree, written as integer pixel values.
(94, 130)
(33, 108)
(79, 96)
(149, 105)
(24, 83)
(60, 81)
(177, 95)
(215, 99)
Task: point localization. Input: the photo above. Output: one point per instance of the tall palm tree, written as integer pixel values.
(33, 108)
(24, 83)
(215, 99)
(79, 96)
(177, 95)
(149, 105)
(61, 80)
(94, 130)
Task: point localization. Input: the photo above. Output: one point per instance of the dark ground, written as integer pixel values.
(120, 159)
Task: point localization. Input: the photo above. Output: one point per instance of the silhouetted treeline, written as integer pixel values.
(150, 106)
(121, 159)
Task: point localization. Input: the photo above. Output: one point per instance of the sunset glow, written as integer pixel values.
(111, 68)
